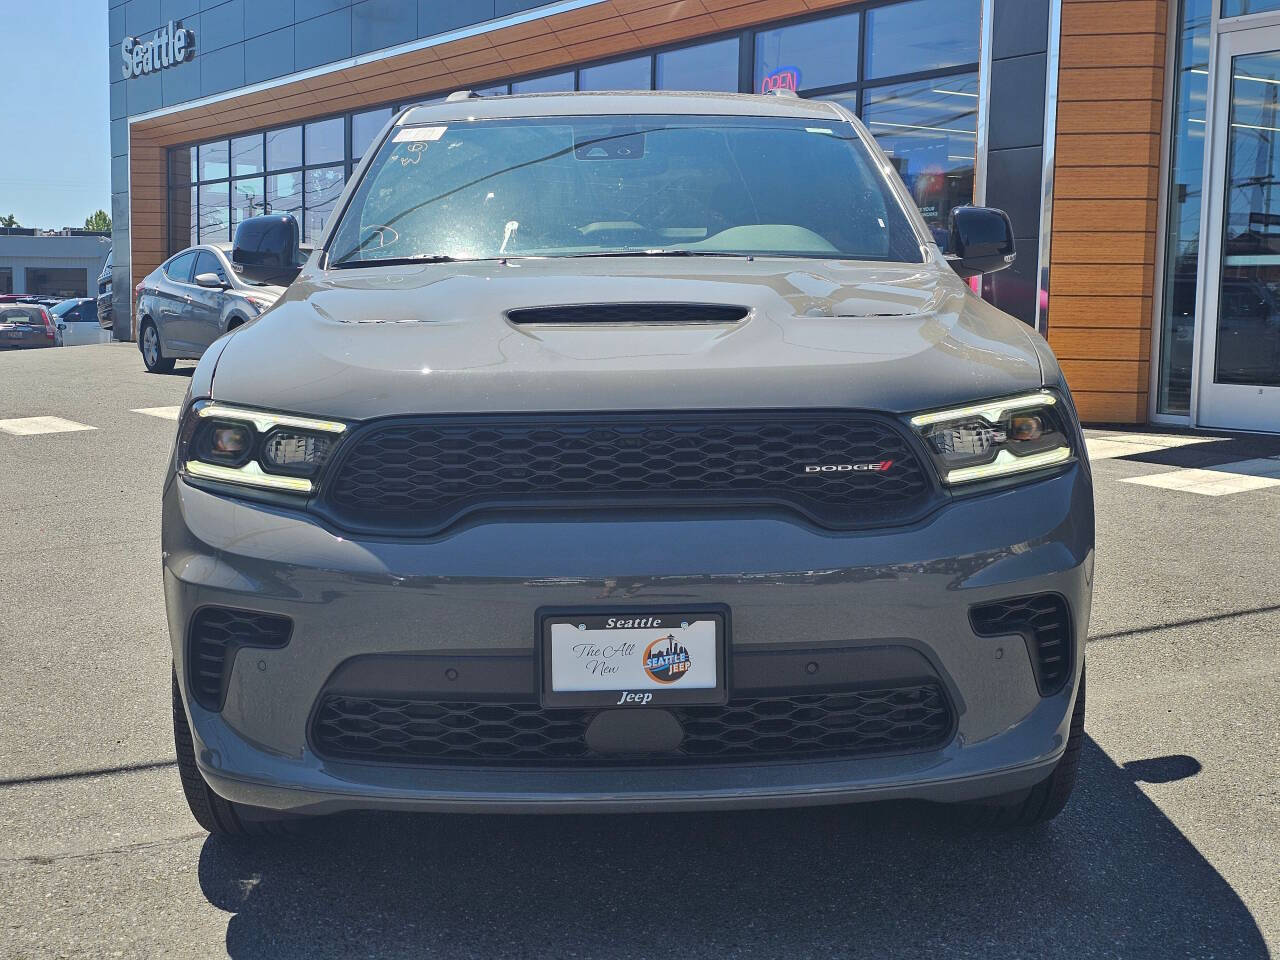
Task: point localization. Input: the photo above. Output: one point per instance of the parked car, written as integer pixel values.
(79, 317)
(104, 291)
(191, 300)
(627, 452)
(27, 325)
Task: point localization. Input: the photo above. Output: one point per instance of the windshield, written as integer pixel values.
(63, 307)
(602, 185)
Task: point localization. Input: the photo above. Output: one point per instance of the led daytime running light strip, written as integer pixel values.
(264, 422)
(250, 475)
(1006, 463)
(991, 412)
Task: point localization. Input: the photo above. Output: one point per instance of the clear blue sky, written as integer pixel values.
(55, 168)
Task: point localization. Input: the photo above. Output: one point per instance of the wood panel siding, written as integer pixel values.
(1106, 195)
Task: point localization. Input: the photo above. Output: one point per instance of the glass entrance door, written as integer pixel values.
(1240, 342)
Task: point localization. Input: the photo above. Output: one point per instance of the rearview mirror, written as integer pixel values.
(209, 280)
(979, 240)
(266, 249)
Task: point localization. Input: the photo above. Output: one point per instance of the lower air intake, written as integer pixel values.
(849, 724)
(216, 634)
(1045, 625)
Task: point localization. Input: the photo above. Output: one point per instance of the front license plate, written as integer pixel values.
(633, 658)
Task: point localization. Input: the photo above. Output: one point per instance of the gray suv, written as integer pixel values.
(626, 452)
(191, 300)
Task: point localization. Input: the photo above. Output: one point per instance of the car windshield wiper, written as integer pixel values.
(394, 261)
(658, 253)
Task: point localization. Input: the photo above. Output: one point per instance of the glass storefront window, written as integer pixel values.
(619, 75)
(708, 66)
(552, 83)
(1182, 222)
(497, 90)
(804, 56)
(364, 127)
(215, 213)
(921, 35)
(1239, 8)
(193, 219)
(246, 155)
(323, 142)
(284, 148)
(929, 130)
(320, 191)
(1248, 321)
(284, 194)
(248, 199)
(215, 160)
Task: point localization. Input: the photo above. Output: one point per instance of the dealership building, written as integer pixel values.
(1134, 143)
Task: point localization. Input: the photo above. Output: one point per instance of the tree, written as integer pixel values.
(9, 221)
(99, 220)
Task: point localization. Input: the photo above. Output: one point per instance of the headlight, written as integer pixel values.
(254, 448)
(986, 441)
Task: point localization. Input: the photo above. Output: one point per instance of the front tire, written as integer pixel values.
(219, 816)
(153, 357)
(1047, 798)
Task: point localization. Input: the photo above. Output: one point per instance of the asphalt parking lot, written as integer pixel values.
(1170, 846)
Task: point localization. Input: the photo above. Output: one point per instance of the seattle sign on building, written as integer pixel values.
(171, 44)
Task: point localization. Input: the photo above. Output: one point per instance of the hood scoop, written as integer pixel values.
(613, 314)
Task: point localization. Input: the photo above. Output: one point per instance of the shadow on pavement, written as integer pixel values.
(1112, 876)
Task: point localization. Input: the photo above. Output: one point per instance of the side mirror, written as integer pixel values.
(979, 240)
(265, 249)
(62, 326)
(209, 280)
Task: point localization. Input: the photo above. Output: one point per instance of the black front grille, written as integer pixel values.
(216, 634)
(1045, 625)
(418, 476)
(626, 313)
(850, 724)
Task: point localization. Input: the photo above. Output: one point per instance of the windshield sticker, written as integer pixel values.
(419, 134)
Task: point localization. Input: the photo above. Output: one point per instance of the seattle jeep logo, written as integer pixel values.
(880, 466)
(665, 660)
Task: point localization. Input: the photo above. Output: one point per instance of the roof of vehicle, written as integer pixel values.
(623, 102)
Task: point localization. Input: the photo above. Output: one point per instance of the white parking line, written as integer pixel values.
(1222, 480)
(30, 426)
(1129, 444)
(166, 413)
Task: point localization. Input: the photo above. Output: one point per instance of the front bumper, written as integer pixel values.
(477, 589)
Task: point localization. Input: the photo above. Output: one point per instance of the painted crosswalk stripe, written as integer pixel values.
(166, 413)
(1222, 480)
(1132, 444)
(31, 426)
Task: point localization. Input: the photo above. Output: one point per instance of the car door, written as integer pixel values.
(83, 325)
(207, 302)
(171, 295)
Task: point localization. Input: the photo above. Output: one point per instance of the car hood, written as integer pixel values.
(383, 341)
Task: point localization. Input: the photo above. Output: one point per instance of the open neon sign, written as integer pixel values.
(784, 78)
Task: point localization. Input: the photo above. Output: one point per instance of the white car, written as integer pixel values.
(79, 317)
